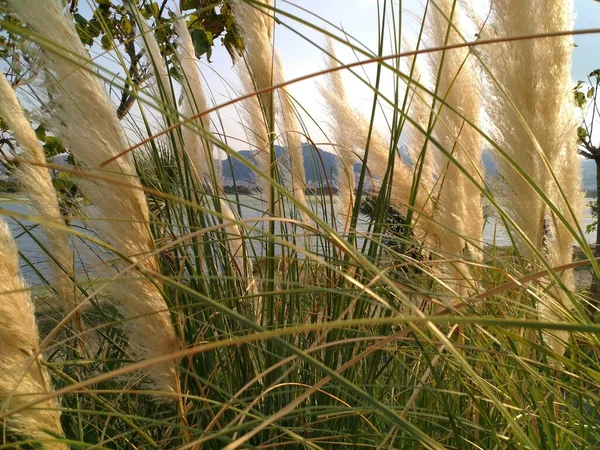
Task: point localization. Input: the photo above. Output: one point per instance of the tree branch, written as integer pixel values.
(586, 154)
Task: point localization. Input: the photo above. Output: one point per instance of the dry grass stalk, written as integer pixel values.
(37, 183)
(22, 377)
(89, 127)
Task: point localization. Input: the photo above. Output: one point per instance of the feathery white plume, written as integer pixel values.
(194, 102)
(255, 74)
(535, 76)
(350, 134)
(37, 183)
(89, 127)
(343, 120)
(292, 138)
(22, 377)
(459, 203)
(459, 209)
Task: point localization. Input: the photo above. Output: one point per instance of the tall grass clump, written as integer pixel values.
(394, 313)
(89, 127)
(36, 181)
(532, 110)
(24, 381)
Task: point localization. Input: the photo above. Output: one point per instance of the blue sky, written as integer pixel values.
(586, 56)
(359, 19)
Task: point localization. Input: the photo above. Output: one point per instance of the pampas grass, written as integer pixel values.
(351, 137)
(256, 73)
(89, 127)
(194, 103)
(36, 181)
(263, 69)
(458, 206)
(534, 77)
(292, 139)
(340, 339)
(343, 122)
(23, 379)
(458, 212)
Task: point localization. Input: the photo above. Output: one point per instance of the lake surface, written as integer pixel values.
(88, 256)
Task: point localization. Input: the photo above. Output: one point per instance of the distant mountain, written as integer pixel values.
(320, 166)
(588, 169)
(588, 177)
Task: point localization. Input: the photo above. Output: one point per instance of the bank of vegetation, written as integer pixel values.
(195, 327)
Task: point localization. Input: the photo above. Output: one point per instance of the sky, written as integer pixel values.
(297, 44)
(358, 18)
(586, 57)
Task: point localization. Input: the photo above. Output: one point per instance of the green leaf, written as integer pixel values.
(53, 147)
(202, 43)
(106, 42)
(579, 98)
(151, 10)
(93, 28)
(213, 22)
(590, 228)
(194, 22)
(582, 134)
(80, 20)
(40, 132)
(189, 4)
(234, 45)
(590, 93)
(126, 27)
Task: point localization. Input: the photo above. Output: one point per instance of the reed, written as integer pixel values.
(532, 109)
(36, 181)
(23, 378)
(89, 127)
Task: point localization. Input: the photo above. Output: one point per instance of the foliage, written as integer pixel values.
(310, 335)
(586, 99)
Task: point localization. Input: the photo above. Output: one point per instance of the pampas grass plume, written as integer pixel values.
(535, 77)
(194, 102)
(37, 183)
(350, 134)
(22, 378)
(89, 126)
(459, 206)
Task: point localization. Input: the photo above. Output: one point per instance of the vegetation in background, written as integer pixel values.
(278, 320)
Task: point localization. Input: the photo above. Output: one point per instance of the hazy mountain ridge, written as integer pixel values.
(320, 167)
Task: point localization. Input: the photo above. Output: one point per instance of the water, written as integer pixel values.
(87, 256)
